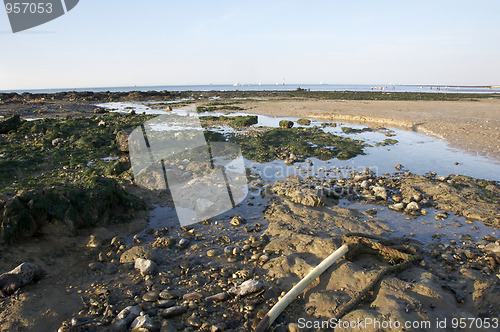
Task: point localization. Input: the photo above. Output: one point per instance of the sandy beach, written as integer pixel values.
(473, 126)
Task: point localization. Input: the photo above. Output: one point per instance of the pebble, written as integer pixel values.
(165, 303)
(183, 243)
(144, 322)
(145, 266)
(193, 320)
(151, 296)
(174, 311)
(166, 326)
(412, 206)
(192, 296)
(220, 297)
(168, 295)
(211, 253)
(264, 258)
(237, 221)
(489, 238)
(247, 287)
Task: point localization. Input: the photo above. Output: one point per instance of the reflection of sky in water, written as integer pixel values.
(424, 227)
(417, 152)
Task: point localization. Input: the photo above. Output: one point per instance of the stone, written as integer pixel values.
(10, 124)
(247, 287)
(398, 167)
(170, 294)
(133, 253)
(122, 139)
(150, 296)
(193, 320)
(166, 326)
(174, 311)
(9, 283)
(212, 253)
(380, 192)
(165, 303)
(220, 297)
(397, 206)
(125, 317)
(192, 296)
(183, 243)
(286, 124)
(146, 266)
(412, 206)
(144, 322)
(237, 221)
(27, 272)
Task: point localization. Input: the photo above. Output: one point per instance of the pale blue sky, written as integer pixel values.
(123, 42)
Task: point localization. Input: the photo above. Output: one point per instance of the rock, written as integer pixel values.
(380, 192)
(441, 216)
(166, 326)
(397, 206)
(286, 124)
(95, 266)
(172, 294)
(216, 328)
(183, 243)
(192, 296)
(212, 253)
(122, 139)
(264, 258)
(412, 207)
(132, 254)
(489, 238)
(364, 184)
(247, 287)
(220, 297)
(237, 221)
(9, 283)
(27, 272)
(151, 296)
(165, 303)
(125, 317)
(144, 322)
(193, 320)
(174, 311)
(398, 167)
(57, 141)
(12, 123)
(293, 327)
(163, 242)
(304, 122)
(145, 266)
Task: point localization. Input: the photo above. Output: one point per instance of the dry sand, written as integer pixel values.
(473, 126)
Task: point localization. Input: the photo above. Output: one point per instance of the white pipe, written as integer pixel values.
(299, 288)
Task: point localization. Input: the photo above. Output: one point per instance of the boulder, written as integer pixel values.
(12, 123)
(132, 254)
(286, 124)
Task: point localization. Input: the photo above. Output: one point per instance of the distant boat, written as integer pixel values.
(236, 84)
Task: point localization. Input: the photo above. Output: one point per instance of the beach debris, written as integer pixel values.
(269, 318)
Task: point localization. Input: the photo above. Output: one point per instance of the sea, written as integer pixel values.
(283, 87)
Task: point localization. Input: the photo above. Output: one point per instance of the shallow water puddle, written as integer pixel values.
(417, 152)
(426, 229)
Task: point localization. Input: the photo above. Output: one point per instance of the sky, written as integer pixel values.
(105, 43)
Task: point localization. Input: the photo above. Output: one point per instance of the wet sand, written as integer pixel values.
(473, 126)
